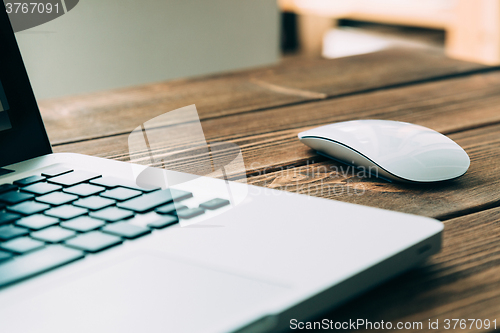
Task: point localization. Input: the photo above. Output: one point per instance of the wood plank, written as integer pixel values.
(475, 190)
(115, 112)
(270, 149)
(462, 281)
(446, 106)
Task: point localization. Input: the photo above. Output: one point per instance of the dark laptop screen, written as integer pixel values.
(22, 134)
(4, 106)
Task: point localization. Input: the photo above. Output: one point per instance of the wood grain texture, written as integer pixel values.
(462, 281)
(275, 158)
(447, 106)
(294, 81)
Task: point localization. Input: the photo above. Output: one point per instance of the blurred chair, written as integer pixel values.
(118, 43)
(472, 26)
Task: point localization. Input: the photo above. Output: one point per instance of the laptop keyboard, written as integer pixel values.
(61, 215)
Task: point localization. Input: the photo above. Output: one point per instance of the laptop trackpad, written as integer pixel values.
(145, 293)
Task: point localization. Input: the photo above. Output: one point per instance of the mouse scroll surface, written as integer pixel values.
(404, 151)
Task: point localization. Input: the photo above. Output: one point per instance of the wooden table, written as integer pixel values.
(262, 111)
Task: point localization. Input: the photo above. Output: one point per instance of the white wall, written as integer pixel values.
(104, 44)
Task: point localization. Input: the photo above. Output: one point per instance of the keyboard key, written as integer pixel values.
(37, 222)
(152, 200)
(12, 198)
(84, 190)
(93, 241)
(5, 256)
(112, 214)
(8, 232)
(112, 182)
(214, 204)
(94, 203)
(125, 230)
(121, 194)
(36, 262)
(7, 187)
(41, 188)
(73, 178)
(29, 180)
(83, 224)
(28, 208)
(170, 208)
(190, 213)
(163, 221)
(142, 220)
(53, 234)
(66, 212)
(22, 245)
(57, 198)
(56, 171)
(8, 218)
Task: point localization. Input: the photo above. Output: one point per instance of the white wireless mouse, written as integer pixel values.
(390, 149)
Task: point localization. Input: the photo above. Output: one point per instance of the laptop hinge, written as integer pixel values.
(5, 171)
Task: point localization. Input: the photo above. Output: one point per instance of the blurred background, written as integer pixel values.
(111, 44)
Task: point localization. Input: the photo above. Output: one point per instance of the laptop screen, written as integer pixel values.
(4, 106)
(22, 134)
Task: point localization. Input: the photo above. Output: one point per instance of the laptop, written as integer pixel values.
(95, 245)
